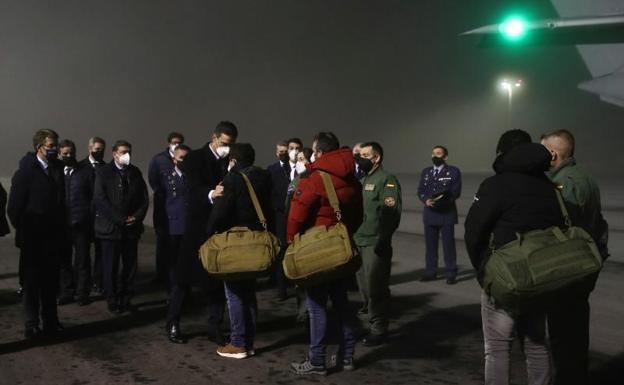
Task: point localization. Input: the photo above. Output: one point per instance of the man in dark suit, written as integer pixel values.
(37, 212)
(175, 193)
(121, 203)
(4, 224)
(282, 173)
(204, 169)
(161, 164)
(76, 276)
(92, 162)
(439, 187)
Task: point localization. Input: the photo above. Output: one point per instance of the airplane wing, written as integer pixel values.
(551, 24)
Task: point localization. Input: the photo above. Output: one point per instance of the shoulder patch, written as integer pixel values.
(390, 185)
(390, 201)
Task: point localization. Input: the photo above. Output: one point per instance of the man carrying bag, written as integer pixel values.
(311, 207)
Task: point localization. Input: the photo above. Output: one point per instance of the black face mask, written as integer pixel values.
(437, 161)
(98, 155)
(69, 161)
(365, 165)
(284, 158)
(356, 157)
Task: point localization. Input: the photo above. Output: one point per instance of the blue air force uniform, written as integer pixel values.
(443, 184)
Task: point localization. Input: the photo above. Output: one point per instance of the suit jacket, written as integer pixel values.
(4, 224)
(115, 200)
(176, 201)
(36, 201)
(446, 184)
(203, 173)
(160, 164)
(79, 196)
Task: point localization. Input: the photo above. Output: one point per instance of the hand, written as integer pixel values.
(430, 203)
(218, 191)
(130, 221)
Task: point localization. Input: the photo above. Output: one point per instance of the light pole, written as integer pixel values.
(508, 86)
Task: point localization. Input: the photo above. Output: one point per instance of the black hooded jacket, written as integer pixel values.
(519, 198)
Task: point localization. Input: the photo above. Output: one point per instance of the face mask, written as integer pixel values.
(365, 165)
(51, 155)
(300, 167)
(293, 155)
(98, 156)
(313, 158)
(172, 148)
(223, 151)
(437, 161)
(124, 160)
(69, 161)
(283, 158)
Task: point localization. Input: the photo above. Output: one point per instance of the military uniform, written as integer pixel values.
(382, 212)
(568, 322)
(444, 185)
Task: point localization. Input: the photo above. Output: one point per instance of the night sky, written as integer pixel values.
(392, 71)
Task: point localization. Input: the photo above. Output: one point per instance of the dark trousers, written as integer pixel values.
(98, 274)
(568, 328)
(432, 236)
(75, 264)
(214, 295)
(317, 306)
(162, 259)
(278, 269)
(243, 309)
(119, 288)
(40, 277)
(374, 283)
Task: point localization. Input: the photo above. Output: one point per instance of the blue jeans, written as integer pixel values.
(243, 307)
(317, 306)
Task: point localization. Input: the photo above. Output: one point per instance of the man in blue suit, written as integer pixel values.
(440, 186)
(160, 164)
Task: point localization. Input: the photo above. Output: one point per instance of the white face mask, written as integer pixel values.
(292, 154)
(223, 151)
(300, 167)
(124, 160)
(313, 158)
(172, 148)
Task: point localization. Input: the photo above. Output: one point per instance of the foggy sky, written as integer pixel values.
(391, 71)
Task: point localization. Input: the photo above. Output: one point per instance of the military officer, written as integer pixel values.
(382, 212)
(439, 188)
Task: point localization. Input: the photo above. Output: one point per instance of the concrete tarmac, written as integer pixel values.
(435, 335)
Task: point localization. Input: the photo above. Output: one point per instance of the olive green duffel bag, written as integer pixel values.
(534, 271)
(241, 253)
(322, 253)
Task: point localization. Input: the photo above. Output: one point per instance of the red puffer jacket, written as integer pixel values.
(310, 206)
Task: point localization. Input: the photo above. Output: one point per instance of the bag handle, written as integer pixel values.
(564, 210)
(331, 194)
(254, 200)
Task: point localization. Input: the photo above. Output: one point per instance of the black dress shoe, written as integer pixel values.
(52, 329)
(174, 334)
(451, 280)
(374, 340)
(32, 333)
(112, 307)
(20, 291)
(428, 278)
(83, 300)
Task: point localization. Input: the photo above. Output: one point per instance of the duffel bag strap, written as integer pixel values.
(331, 194)
(254, 200)
(564, 210)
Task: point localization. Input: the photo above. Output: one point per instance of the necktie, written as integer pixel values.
(435, 173)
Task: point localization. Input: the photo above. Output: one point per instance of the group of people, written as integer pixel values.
(60, 207)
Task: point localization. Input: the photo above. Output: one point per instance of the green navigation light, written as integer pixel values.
(513, 28)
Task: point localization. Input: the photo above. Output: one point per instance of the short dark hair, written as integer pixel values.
(307, 153)
(174, 135)
(511, 139)
(295, 140)
(228, 128)
(444, 149)
(97, 139)
(67, 143)
(243, 153)
(121, 143)
(567, 137)
(377, 149)
(183, 147)
(326, 142)
(40, 137)
(281, 143)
